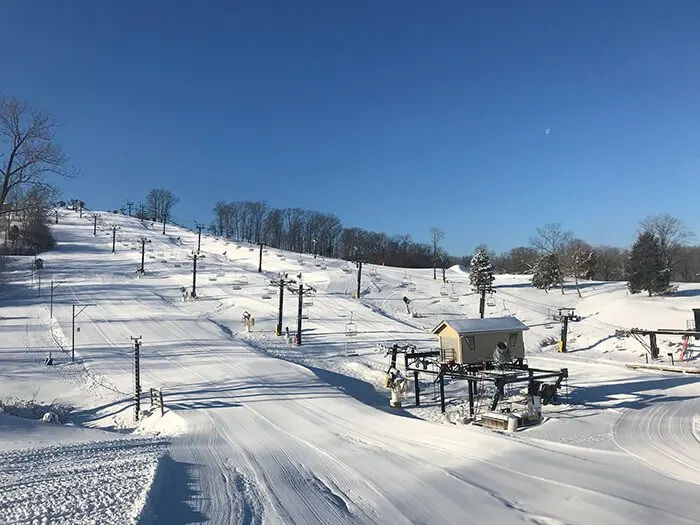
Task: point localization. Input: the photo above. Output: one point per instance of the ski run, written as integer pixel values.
(258, 430)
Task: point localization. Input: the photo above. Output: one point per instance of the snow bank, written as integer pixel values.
(95, 482)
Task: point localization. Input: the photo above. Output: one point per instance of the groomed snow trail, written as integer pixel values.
(662, 436)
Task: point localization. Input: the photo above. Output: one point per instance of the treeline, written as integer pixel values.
(23, 228)
(309, 231)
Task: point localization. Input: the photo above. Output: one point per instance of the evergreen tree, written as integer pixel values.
(481, 271)
(546, 272)
(646, 266)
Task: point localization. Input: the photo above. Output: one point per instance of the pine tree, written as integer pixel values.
(481, 271)
(546, 272)
(646, 266)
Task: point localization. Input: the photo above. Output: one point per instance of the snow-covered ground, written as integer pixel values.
(261, 431)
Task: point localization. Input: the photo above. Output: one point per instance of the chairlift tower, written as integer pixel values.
(195, 256)
(283, 282)
(565, 315)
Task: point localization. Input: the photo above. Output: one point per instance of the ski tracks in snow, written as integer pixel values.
(663, 436)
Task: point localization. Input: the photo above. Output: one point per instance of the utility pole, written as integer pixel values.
(143, 242)
(114, 238)
(137, 377)
(72, 343)
(94, 225)
(282, 282)
(194, 258)
(260, 263)
(53, 287)
(129, 205)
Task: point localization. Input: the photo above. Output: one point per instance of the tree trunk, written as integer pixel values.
(577, 288)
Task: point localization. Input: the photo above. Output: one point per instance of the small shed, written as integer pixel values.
(470, 341)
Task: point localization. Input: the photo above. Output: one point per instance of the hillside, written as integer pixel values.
(263, 431)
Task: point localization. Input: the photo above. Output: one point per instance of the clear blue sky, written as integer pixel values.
(394, 115)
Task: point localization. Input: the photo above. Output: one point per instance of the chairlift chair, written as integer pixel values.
(404, 281)
(324, 266)
(304, 313)
(443, 290)
(221, 273)
(490, 300)
(212, 277)
(350, 328)
(243, 279)
(373, 271)
(411, 286)
(308, 300)
(266, 295)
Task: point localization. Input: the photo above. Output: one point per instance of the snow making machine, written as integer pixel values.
(489, 355)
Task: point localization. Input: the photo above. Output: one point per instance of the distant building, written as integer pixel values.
(470, 341)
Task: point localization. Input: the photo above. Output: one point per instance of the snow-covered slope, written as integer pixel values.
(259, 438)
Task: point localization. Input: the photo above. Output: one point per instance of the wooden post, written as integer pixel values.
(417, 386)
(160, 399)
(472, 388)
(442, 393)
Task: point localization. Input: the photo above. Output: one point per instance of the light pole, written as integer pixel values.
(72, 345)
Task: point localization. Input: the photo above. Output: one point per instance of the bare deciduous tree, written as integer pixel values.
(160, 203)
(672, 234)
(579, 261)
(436, 235)
(27, 149)
(551, 239)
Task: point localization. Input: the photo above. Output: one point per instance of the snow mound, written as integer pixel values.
(96, 482)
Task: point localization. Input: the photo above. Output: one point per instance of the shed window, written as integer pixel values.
(513, 338)
(471, 342)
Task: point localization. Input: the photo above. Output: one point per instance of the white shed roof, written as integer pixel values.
(477, 325)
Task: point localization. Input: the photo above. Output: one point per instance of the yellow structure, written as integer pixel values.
(470, 341)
